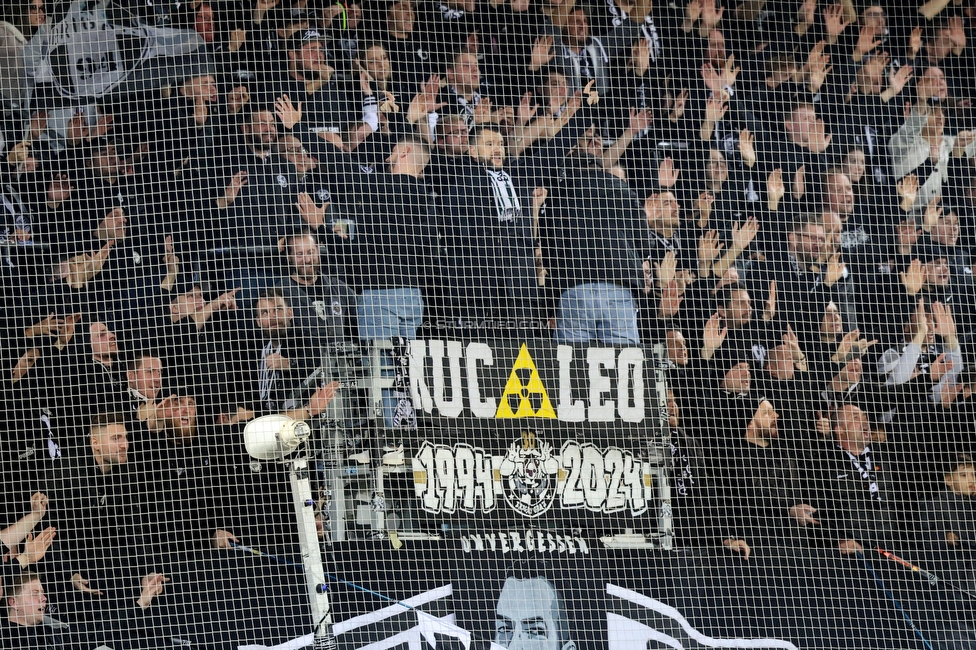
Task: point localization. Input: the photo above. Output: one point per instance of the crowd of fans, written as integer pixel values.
(781, 191)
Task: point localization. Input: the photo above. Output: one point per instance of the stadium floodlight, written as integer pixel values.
(278, 437)
(273, 437)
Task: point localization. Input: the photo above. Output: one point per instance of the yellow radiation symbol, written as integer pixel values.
(524, 396)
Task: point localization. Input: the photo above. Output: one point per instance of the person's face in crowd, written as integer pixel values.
(663, 212)
(962, 480)
(852, 428)
(204, 23)
(677, 347)
(874, 16)
(807, 244)
(779, 72)
(452, 137)
(840, 194)
(832, 325)
(718, 170)
(304, 258)
(674, 413)
(527, 616)
(780, 363)
(937, 272)
(377, 63)
(738, 379)
(738, 311)
(800, 123)
(765, 421)
(202, 88)
(854, 165)
(577, 29)
(934, 126)
(36, 16)
(274, 316)
(489, 147)
(261, 130)
(181, 420)
(354, 15)
(103, 342)
(933, 83)
(310, 57)
(591, 142)
(518, 6)
(400, 18)
(107, 162)
(946, 230)
(465, 75)
(147, 377)
(715, 50)
(187, 304)
(111, 445)
(557, 90)
(833, 226)
(292, 149)
(27, 607)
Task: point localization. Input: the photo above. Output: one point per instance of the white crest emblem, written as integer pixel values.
(529, 471)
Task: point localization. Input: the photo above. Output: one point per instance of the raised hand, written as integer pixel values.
(667, 174)
(592, 96)
(799, 187)
(943, 323)
(542, 53)
(709, 248)
(640, 120)
(866, 42)
(312, 214)
(775, 188)
(834, 21)
(716, 107)
(703, 205)
(933, 212)
(671, 299)
(526, 110)
(321, 398)
(915, 43)
(744, 233)
(913, 278)
(710, 16)
(907, 189)
(59, 190)
(770, 312)
(834, 271)
(38, 502)
(678, 107)
(898, 79)
(36, 547)
(483, 112)
(714, 334)
(747, 147)
(665, 270)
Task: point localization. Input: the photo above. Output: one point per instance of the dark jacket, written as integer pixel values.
(595, 231)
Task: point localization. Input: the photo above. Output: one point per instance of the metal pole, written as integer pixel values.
(318, 597)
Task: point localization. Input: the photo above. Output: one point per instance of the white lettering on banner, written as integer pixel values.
(531, 541)
(432, 387)
(530, 478)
